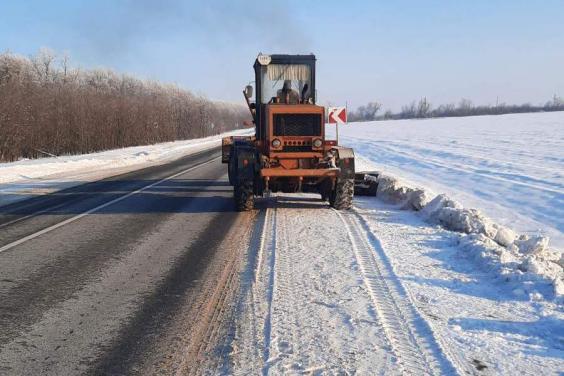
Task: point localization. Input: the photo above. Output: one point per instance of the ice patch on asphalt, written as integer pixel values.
(515, 257)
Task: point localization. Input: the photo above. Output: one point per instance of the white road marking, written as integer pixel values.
(262, 244)
(77, 217)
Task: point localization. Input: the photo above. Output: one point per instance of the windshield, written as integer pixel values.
(285, 81)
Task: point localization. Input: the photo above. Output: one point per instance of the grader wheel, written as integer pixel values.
(244, 196)
(325, 189)
(342, 196)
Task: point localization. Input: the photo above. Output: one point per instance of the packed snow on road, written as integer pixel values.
(380, 290)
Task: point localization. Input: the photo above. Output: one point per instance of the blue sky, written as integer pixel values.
(392, 52)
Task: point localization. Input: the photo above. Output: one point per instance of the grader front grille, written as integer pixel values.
(297, 125)
(297, 148)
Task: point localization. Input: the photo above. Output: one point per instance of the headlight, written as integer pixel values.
(276, 143)
(317, 143)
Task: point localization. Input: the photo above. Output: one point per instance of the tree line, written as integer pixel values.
(423, 109)
(48, 107)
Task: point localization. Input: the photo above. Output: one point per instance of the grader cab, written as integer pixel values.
(289, 152)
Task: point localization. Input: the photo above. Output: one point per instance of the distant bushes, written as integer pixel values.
(47, 107)
(423, 109)
(365, 113)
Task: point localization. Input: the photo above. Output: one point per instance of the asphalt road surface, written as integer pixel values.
(130, 275)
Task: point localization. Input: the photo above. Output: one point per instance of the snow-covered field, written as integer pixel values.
(27, 178)
(511, 167)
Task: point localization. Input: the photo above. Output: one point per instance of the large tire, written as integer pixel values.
(325, 189)
(244, 196)
(230, 173)
(342, 196)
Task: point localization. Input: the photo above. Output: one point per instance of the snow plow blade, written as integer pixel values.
(366, 183)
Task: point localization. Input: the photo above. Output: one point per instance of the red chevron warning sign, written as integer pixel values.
(337, 115)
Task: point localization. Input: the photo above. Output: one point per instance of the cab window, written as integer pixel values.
(275, 75)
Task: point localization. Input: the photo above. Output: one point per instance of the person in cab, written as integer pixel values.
(287, 94)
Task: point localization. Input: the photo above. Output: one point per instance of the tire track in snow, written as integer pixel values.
(283, 339)
(268, 246)
(243, 352)
(408, 333)
(270, 291)
(259, 314)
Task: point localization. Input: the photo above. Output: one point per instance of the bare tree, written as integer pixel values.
(423, 108)
(42, 63)
(465, 107)
(365, 113)
(408, 111)
(47, 105)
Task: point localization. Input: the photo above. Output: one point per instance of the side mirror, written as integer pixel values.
(248, 91)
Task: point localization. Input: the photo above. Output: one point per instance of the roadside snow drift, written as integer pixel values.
(26, 178)
(514, 257)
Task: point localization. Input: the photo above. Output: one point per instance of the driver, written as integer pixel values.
(287, 94)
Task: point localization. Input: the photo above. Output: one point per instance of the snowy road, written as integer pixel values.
(131, 275)
(378, 291)
(302, 289)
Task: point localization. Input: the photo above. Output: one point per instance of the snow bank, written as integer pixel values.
(501, 250)
(392, 190)
(27, 178)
